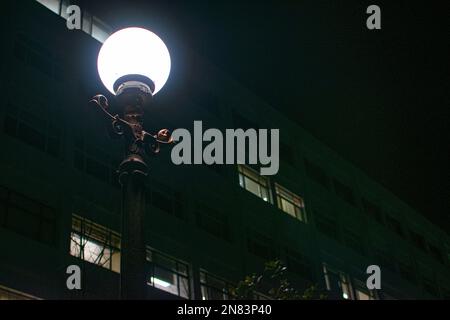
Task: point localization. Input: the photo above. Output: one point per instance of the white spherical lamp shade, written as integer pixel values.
(133, 51)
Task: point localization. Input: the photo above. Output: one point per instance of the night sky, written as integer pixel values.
(378, 98)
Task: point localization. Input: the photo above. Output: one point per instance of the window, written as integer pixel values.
(353, 240)
(251, 181)
(166, 199)
(337, 283)
(53, 5)
(362, 294)
(383, 256)
(28, 217)
(212, 287)
(429, 284)
(436, 253)
(290, 203)
(317, 174)
(95, 244)
(372, 210)
(395, 225)
(287, 154)
(87, 22)
(327, 224)
(10, 294)
(38, 56)
(261, 246)
(207, 100)
(168, 274)
(64, 5)
(213, 222)
(100, 31)
(344, 192)
(418, 240)
(34, 119)
(95, 162)
(299, 264)
(242, 122)
(406, 270)
(90, 24)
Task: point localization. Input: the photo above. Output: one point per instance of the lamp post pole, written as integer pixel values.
(133, 64)
(133, 97)
(132, 173)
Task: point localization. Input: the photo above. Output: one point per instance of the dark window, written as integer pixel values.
(21, 123)
(327, 225)
(418, 240)
(353, 241)
(217, 168)
(166, 199)
(372, 210)
(317, 174)
(430, 286)
(162, 202)
(241, 122)
(28, 217)
(344, 192)
(97, 169)
(40, 63)
(208, 101)
(261, 246)
(95, 162)
(384, 259)
(446, 294)
(436, 253)
(299, 264)
(287, 154)
(394, 225)
(35, 55)
(213, 222)
(407, 271)
(20, 51)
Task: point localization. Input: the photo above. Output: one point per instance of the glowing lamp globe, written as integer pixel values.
(134, 55)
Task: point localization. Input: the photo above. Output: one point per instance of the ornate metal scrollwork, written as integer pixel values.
(138, 139)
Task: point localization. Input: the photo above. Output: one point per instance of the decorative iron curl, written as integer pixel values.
(117, 127)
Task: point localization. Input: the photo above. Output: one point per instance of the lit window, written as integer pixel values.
(362, 292)
(10, 294)
(87, 22)
(290, 203)
(213, 288)
(95, 244)
(362, 295)
(100, 31)
(168, 274)
(251, 181)
(338, 284)
(53, 5)
(64, 5)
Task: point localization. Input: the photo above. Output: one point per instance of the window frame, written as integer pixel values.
(111, 242)
(204, 275)
(151, 264)
(263, 182)
(282, 193)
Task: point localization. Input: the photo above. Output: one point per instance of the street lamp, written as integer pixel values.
(133, 64)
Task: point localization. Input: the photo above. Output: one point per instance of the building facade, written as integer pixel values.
(207, 226)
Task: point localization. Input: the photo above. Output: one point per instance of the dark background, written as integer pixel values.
(379, 98)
